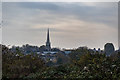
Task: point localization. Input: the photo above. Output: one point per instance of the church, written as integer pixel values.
(48, 45)
(50, 50)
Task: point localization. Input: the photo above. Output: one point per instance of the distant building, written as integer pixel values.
(48, 45)
(67, 52)
(51, 52)
(109, 49)
(94, 50)
(99, 51)
(119, 49)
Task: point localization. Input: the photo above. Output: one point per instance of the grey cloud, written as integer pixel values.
(63, 10)
(23, 17)
(39, 5)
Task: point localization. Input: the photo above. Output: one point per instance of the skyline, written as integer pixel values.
(71, 24)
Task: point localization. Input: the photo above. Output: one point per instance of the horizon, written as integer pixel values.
(10, 46)
(71, 25)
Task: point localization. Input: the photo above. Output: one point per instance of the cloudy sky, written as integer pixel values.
(71, 24)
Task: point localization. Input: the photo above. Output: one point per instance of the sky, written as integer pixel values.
(60, 0)
(91, 24)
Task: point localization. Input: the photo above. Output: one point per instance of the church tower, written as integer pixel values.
(48, 46)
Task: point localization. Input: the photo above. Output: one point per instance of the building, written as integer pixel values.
(48, 45)
(109, 49)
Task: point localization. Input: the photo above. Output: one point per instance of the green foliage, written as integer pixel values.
(20, 66)
(86, 66)
(75, 55)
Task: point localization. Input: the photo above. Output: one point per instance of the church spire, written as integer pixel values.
(48, 47)
(48, 40)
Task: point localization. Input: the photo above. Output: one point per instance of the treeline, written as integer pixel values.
(83, 65)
